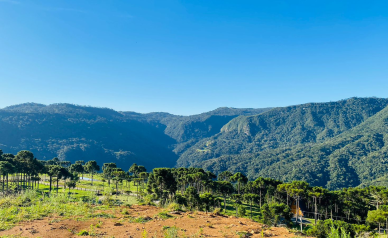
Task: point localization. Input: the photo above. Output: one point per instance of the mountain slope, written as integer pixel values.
(335, 144)
(283, 127)
(358, 156)
(187, 130)
(73, 132)
(83, 133)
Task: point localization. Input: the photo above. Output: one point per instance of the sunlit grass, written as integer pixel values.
(62, 204)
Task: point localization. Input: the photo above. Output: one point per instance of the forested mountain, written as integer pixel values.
(334, 144)
(187, 130)
(83, 133)
(72, 132)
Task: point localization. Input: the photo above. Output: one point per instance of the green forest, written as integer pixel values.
(27, 181)
(334, 145)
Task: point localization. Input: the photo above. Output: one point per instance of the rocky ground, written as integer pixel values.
(146, 221)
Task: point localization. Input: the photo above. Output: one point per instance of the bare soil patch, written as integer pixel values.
(189, 224)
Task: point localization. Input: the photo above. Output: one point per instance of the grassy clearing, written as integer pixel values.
(231, 210)
(32, 206)
(37, 204)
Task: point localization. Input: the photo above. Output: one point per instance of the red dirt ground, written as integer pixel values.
(196, 224)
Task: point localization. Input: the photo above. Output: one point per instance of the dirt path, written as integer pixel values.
(196, 224)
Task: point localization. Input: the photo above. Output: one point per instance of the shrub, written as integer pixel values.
(144, 234)
(217, 211)
(174, 207)
(83, 233)
(242, 212)
(331, 229)
(272, 212)
(164, 215)
(124, 212)
(171, 232)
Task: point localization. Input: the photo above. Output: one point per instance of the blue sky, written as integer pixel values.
(187, 57)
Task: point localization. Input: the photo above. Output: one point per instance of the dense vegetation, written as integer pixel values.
(72, 132)
(349, 212)
(333, 145)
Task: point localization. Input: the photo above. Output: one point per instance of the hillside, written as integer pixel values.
(188, 130)
(72, 132)
(334, 160)
(334, 144)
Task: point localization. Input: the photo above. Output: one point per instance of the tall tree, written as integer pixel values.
(77, 168)
(53, 171)
(240, 179)
(118, 176)
(107, 171)
(377, 216)
(92, 167)
(316, 193)
(251, 199)
(5, 169)
(225, 176)
(136, 169)
(225, 188)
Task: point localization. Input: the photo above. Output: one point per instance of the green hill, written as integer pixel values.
(344, 157)
(334, 144)
(72, 133)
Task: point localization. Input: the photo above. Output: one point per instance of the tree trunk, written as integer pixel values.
(57, 184)
(251, 209)
(296, 210)
(116, 189)
(51, 179)
(224, 204)
(315, 208)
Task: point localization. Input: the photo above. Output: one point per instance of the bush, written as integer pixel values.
(164, 215)
(170, 232)
(242, 212)
(83, 233)
(272, 212)
(329, 228)
(125, 212)
(148, 200)
(139, 219)
(181, 200)
(217, 211)
(174, 207)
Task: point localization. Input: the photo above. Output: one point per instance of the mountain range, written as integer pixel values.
(334, 144)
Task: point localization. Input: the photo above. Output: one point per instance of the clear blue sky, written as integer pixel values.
(187, 57)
